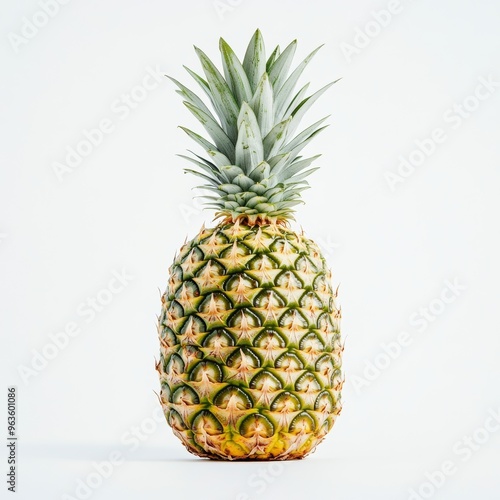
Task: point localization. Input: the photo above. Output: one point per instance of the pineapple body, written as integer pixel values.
(250, 363)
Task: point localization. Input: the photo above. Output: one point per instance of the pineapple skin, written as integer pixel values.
(250, 344)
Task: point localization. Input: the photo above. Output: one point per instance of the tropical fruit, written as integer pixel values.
(250, 344)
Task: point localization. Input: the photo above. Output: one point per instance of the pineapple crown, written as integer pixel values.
(252, 167)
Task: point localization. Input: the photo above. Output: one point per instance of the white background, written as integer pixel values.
(127, 207)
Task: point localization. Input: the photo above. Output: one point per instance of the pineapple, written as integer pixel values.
(250, 362)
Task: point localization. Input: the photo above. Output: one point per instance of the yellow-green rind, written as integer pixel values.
(250, 363)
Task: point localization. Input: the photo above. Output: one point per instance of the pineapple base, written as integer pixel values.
(239, 448)
(250, 346)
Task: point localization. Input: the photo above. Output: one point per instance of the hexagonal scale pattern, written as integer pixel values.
(250, 361)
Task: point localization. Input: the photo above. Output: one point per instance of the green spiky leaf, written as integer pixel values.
(220, 138)
(262, 104)
(235, 74)
(279, 68)
(249, 148)
(251, 164)
(254, 62)
(222, 97)
(283, 94)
